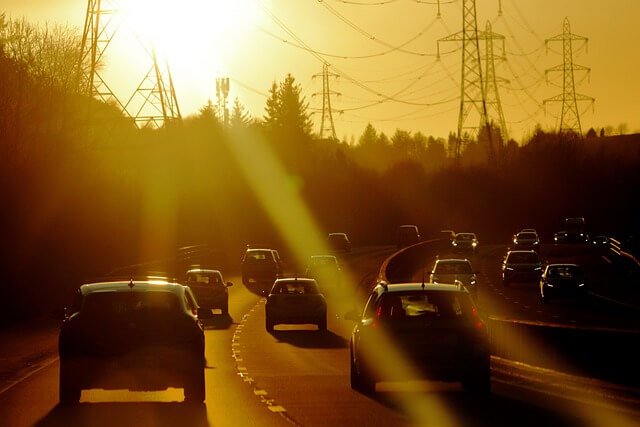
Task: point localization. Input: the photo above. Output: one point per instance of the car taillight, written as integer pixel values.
(376, 322)
(479, 324)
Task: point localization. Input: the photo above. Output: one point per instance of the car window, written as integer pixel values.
(527, 236)
(465, 237)
(295, 288)
(204, 279)
(110, 304)
(257, 257)
(370, 307)
(522, 258)
(564, 272)
(418, 306)
(453, 268)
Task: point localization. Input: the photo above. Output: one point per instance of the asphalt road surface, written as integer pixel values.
(298, 375)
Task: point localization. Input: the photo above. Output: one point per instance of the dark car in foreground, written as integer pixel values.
(413, 331)
(209, 288)
(295, 301)
(339, 242)
(521, 266)
(562, 281)
(140, 335)
(407, 235)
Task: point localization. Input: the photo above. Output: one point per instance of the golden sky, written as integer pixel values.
(206, 38)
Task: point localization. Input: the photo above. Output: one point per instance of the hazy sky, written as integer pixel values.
(205, 38)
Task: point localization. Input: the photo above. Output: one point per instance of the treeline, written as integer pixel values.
(84, 191)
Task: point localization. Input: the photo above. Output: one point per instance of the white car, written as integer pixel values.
(296, 301)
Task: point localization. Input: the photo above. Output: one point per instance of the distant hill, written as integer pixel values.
(627, 147)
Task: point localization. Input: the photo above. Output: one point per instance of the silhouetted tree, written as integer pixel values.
(591, 133)
(240, 118)
(369, 136)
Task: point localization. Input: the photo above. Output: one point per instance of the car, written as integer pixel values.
(521, 266)
(526, 240)
(572, 236)
(325, 270)
(259, 268)
(209, 288)
(465, 242)
(601, 242)
(295, 301)
(339, 242)
(448, 235)
(431, 331)
(562, 281)
(452, 270)
(138, 334)
(407, 235)
(276, 255)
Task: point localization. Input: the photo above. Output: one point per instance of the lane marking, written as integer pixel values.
(614, 301)
(276, 408)
(40, 367)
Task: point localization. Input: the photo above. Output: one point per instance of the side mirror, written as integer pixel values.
(204, 313)
(60, 313)
(229, 284)
(352, 315)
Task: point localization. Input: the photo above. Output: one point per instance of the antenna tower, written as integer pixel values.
(570, 116)
(222, 93)
(472, 88)
(326, 125)
(100, 26)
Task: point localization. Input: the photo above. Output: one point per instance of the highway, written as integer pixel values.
(300, 376)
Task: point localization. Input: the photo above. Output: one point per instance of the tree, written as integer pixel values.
(240, 118)
(623, 128)
(293, 114)
(591, 133)
(369, 136)
(271, 119)
(208, 112)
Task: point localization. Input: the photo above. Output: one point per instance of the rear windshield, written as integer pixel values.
(453, 268)
(125, 304)
(522, 258)
(258, 256)
(424, 306)
(408, 231)
(323, 262)
(565, 272)
(527, 236)
(203, 279)
(295, 288)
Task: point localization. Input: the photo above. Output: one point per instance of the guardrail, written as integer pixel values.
(605, 353)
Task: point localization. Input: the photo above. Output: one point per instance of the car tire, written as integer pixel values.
(322, 324)
(225, 308)
(269, 325)
(363, 383)
(69, 391)
(194, 387)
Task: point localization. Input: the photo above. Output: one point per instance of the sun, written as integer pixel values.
(191, 33)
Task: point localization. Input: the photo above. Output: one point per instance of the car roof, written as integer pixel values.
(203, 270)
(466, 233)
(323, 256)
(408, 226)
(337, 234)
(419, 286)
(152, 285)
(453, 261)
(563, 265)
(522, 251)
(259, 250)
(294, 279)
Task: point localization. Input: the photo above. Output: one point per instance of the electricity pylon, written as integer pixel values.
(326, 123)
(100, 25)
(570, 116)
(156, 98)
(492, 94)
(472, 88)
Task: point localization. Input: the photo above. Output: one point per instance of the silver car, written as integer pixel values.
(296, 301)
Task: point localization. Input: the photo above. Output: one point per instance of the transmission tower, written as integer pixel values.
(494, 106)
(570, 116)
(222, 93)
(326, 123)
(156, 98)
(100, 26)
(472, 88)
